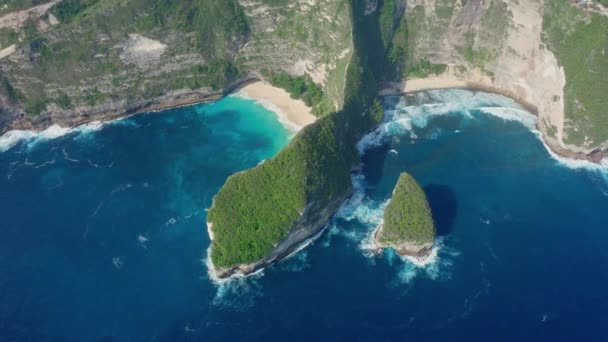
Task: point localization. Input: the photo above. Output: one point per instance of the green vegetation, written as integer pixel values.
(81, 51)
(8, 37)
(387, 21)
(63, 101)
(257, 208)
(34, 107)
(424, 68)
(407, 217)
(299, 87)
(444, 10)
(66, 10)
(14, 5)
(9, 91)
(580, 41)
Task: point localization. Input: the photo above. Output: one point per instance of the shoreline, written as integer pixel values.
(292, 113)
(218, 276)
(413, 86)
(421, 259)
(279, 102)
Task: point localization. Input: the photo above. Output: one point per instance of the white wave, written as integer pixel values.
(348, 208)
(468, 99)
(425, 261)
(238, 293)
(117, 262)
(512, 114)
(237, 277)
(401, 118)
(331, 232)
(438, 266)
(91, 127)
(67, 157)
(49, 162)
(11, 138)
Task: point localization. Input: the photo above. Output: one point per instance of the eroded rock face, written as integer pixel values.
(500, 46)
(308, 228)
(123, 68)
(495, 45)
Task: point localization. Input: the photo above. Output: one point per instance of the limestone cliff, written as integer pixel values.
(95, 59)
(515, 48)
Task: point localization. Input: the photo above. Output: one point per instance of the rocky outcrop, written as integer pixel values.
(311, 224)
(408, 225)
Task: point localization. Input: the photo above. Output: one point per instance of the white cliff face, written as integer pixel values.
(496, 45)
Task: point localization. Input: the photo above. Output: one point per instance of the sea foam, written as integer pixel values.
(11, 138)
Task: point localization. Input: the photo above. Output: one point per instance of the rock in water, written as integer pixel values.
(408, 224)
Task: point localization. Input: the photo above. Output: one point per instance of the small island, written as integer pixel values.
(408, 224)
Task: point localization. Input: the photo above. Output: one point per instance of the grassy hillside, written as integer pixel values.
(82, 55)
(580, 41)
(208, 45)
(257, 208)
(407, 217)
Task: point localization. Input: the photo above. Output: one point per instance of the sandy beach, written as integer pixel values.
(438, 82)
(293, 113)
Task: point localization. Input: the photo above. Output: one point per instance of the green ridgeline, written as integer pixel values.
(407, 217)
(257, 208)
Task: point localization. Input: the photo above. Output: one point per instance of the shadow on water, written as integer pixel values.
(444, 206)
(373, 164)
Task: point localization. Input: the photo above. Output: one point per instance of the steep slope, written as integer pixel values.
(86, 60)
(263, 214)
(408, 225)
(548, 54)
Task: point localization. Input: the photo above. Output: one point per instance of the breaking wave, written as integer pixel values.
(401, 117)
(11, 138)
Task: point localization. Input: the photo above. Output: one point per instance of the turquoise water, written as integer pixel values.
(103, 234)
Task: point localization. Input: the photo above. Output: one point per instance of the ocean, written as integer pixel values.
(103, 234)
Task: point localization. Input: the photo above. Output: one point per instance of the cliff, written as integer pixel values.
(71, 61)
(408, 224)
(262, 214)
(74, 61)
(549, 55)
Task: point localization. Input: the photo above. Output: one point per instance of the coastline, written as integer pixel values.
(415, 85)
(292, 113)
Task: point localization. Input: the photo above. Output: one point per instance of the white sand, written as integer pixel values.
(293, 113)
(439, 82)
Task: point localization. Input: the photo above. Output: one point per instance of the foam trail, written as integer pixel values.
(238, 294)
(401, 118)
(512, 114)
(11, 138)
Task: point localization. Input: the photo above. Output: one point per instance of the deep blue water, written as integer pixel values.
(103, 234)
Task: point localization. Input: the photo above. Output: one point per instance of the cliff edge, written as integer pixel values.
(408, 225)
